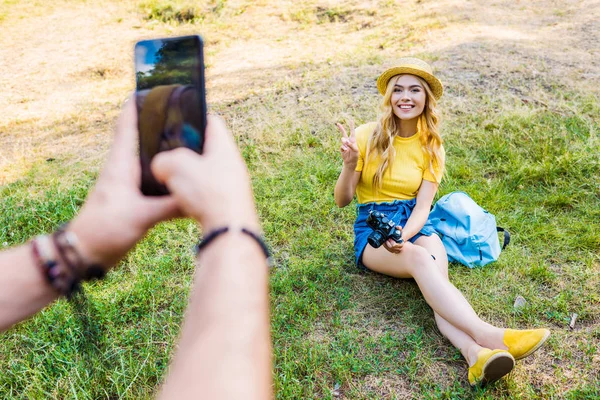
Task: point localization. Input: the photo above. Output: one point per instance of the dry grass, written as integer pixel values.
(79, 64)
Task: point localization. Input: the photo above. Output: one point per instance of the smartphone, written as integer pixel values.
(170, 99)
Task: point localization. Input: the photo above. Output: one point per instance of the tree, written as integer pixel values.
(177, 62)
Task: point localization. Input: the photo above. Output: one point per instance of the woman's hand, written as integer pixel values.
(392, 246)
(214, 188)
(116, 215)
(349, 148)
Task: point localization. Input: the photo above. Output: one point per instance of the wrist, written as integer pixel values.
(233, 222)
(61, 262)
(350, 166)
(227, 233)
(406, 234)
(233, 216)
(89, 245)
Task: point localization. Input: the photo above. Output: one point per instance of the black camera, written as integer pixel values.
(383, 229)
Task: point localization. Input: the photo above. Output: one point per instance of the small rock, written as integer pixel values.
(336, 390)
(519, 302)
(573, 319)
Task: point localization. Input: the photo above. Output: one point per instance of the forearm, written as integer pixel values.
(23, 288)
(225, 349)
(415, 222)
(345, 187)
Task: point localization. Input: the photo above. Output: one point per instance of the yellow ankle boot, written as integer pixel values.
(522, 343)
(491, 365)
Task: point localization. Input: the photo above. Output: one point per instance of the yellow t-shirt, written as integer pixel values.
(403, 179)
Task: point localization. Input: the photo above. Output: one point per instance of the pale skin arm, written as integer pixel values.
(345, 186)
(23, 290)
(417, 218)
(224, 350)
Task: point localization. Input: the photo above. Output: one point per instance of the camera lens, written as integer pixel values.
(376, 239)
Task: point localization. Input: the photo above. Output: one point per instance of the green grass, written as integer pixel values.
(534, 166)
(536, 170)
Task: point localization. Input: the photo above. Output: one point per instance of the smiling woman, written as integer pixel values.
(394, 166)
(408, 98)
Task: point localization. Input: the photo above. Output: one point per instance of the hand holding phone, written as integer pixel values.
(214, 189)
(171, 100)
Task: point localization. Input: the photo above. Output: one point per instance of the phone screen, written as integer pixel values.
(170, 98)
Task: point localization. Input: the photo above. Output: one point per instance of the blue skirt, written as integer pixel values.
(397, 211)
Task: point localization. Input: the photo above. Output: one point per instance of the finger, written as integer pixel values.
(341, 128)
(161, 209)
(352, 132)
(125, 143)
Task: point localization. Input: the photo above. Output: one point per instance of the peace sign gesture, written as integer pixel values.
(349, 148)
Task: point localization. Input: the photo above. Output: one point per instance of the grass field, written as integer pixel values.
(521, 124)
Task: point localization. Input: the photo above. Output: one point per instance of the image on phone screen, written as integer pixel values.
(170, 99)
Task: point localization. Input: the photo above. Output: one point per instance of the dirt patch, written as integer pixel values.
(544, 41)
(82, 61)
(382, 387)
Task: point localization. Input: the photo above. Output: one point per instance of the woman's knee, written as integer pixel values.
(435, 247)
(419, 259)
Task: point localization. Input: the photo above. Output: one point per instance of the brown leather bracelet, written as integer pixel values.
(56, 273)
(66, 244)
(61, 264)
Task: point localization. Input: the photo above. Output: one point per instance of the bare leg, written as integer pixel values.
(465, 343)
(416, 262)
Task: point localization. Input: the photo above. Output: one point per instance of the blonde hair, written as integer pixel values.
(381, 141)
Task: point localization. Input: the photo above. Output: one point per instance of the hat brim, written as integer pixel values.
(434, 83)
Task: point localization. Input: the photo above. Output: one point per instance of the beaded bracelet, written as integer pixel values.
(57, 274)
(60, 262)
(217, 232)
(66, 244)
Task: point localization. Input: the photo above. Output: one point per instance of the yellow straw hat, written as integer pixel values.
(413, 66)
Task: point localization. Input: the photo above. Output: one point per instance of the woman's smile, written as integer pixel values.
(408, 98)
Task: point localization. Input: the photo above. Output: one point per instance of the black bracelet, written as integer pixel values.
(217, 232)
(209, 238)
(262, 245)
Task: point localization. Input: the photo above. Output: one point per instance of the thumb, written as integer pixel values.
(168, 164)
(217, 136)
